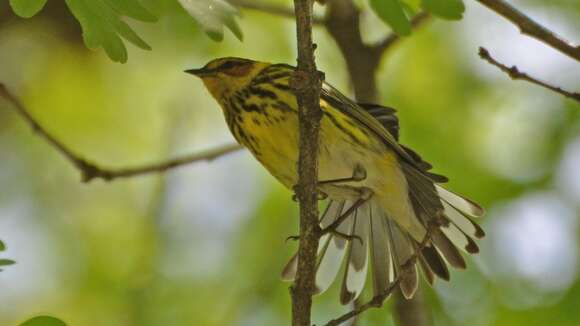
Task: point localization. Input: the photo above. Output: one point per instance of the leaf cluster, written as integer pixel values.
(397, 13)
(103, 21)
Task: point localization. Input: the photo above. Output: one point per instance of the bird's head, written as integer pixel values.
(224, 76)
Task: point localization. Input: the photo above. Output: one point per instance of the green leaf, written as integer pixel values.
(411, 7)
(43, 321)
(27, 8)
(446, 9)
(392, 13)
(212, 15)
(133, 9)
(102, 25)
(2, 246)
(127, 33)
(7, 262)
(231, 23)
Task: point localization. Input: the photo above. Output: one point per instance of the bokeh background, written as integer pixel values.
(204, 244)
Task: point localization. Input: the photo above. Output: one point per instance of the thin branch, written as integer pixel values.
(111, 174)
(90, 171)
(515, 73)
(271, 9)
(306, 84)
(417, 21)
(377, 300)
(531, 28)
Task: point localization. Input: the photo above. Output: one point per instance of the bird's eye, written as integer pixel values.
(227, 66)
(235, 68)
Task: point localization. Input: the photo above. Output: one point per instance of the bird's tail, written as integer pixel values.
(381, 246)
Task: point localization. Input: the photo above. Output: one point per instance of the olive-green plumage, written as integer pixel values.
(400, 198)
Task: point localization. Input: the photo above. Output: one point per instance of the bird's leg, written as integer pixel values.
(345, 236)
(321, 195)
(365, 195)
(359, 174)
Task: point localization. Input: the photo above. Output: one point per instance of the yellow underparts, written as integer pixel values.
(344, 144)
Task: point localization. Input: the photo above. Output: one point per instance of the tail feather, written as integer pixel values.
(459, 238)
(332, 252)
(426, 269)
(332, 212)
(289, 270)
(435, 262)
(402, 252)
(387, 247)
(463, 222)
(380, 251)
(355, 271)
(447, 249)
(460, 203)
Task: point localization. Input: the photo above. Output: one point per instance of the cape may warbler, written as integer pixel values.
(386, 189)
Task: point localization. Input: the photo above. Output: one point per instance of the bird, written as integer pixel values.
(385, 205)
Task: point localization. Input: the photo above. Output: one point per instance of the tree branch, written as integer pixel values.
(531, 28)
(412, 311)
(377, 300)
(271, 9)
(514, 73)
(90, 171)
(306, 83)
(362, 60)
(342, 23)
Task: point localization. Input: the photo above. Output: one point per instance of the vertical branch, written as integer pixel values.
(411, 312)
(306, 83)
(342, 23)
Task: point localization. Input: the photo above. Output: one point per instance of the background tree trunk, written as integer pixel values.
(362, 62)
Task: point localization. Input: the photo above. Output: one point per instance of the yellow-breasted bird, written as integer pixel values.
(383, 192)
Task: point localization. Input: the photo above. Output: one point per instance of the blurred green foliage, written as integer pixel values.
(43, 321)
(448, 9)
(205, 244)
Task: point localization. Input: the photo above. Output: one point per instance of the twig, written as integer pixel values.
(377, 300)
(531, 28)
(271, 9)
(515, 73)
(306, 83)
(90, 171)
(417, 21)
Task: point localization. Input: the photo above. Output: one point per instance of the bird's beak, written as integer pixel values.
(199, 72)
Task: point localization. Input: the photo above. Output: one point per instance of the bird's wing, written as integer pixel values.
(387, 116)
(379, 119)
(352, 109)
